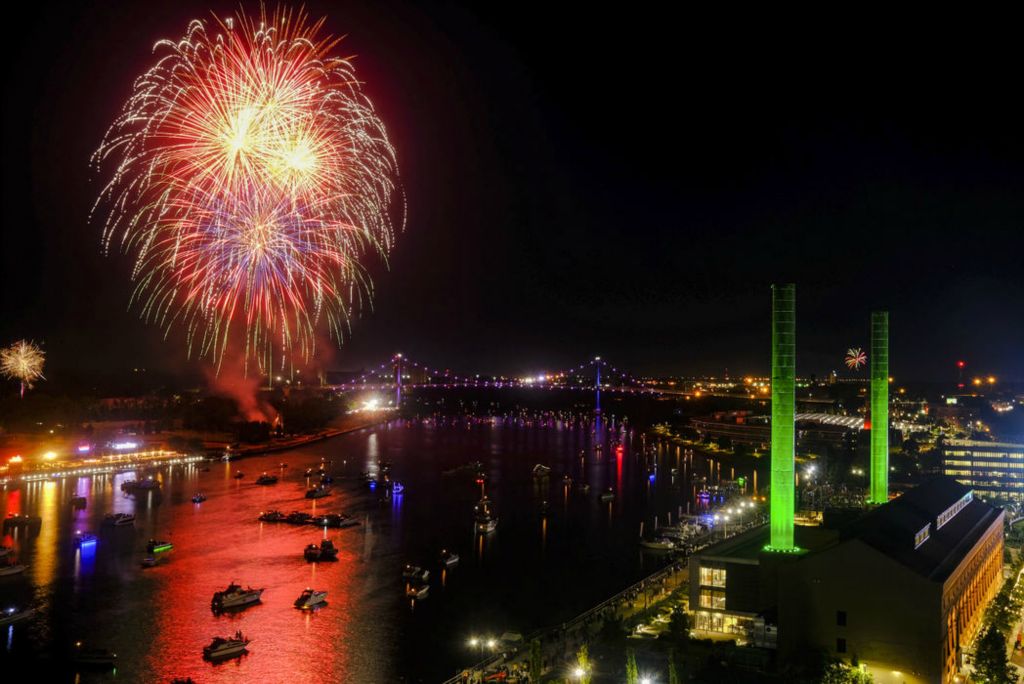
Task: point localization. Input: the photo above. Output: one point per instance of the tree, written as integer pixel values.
(583, 663)
(536, 661)
(678, 626)
(674, 676)
(990, 661)
(632, 671)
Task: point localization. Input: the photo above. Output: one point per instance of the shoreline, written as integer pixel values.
(296, 442)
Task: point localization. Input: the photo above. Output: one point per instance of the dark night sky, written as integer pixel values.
(584, 182)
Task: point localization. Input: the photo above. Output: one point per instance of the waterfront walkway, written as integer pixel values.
(559, 643)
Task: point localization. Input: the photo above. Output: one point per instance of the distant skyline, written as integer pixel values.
(614, 184)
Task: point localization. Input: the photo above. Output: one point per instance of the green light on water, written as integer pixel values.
(783, 414)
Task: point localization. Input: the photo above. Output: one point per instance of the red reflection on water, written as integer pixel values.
(287, 644)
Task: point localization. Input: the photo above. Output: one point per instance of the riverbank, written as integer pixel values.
(343, 425)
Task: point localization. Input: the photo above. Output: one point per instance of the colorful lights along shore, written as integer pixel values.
(251, 176)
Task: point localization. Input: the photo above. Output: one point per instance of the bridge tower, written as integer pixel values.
(398, 381)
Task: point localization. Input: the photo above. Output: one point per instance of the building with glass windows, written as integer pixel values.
(991, 469)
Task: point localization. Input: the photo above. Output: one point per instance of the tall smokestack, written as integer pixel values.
(879, 361)
(783, 405)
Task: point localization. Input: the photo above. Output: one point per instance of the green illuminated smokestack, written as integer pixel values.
(879, 361)
(783, 404)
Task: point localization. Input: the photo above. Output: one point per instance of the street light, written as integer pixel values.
(578, 673)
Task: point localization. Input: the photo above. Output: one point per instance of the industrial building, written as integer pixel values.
(899, 586)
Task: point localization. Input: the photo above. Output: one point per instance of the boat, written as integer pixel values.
(95, 657)
(14, 569)
(397, 487)
(449, 559)
(128, 485)
(119, 519)
(659, 544)
(567, 480)
(156, 546)
(266, 479)
(309, 472)
(282, 464)
(298, 518)
(18, 521)
(4, 550)
(78, 502)
(198, 497)
(486, 526)
(147, 484)
(318, 492)
(226, 647)
(608, 495)
(12, 615)
(239, 475)
(417, 591)
(415, 573)
(327, 551)
(541, 470)
(150, 561)
(273, 516)
(545, 509)
(583, 487)
(234, 597)
(339, 520)
(85, 541)
(310, 599)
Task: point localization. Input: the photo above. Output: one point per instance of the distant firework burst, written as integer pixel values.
(251, 178)
(22, 361)
(855, 358)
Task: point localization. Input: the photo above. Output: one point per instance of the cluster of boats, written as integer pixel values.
(133, 486)
(334, 520)
(417, 578)
(682, 538)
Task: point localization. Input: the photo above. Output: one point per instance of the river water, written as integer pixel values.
(533, 571)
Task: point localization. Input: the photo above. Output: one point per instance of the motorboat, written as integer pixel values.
(128, 485)
(234, 597)
(266, 479)
(156, 546)
(78, 502)
(545, 509)
(486, 526)
(18, 521)
(396, 487)
(541, 470)
(327, 551)
(198, 497)
(310, 599)
(273, 516)
(282, 464)
(415, 573)
(339, 520)
(449, 559)
(309, 472)
(226, 647)
(659, 544)
(567, 480)
(607, 495)
(417, 591)
(12, 615)
(86, 540)
(148, 484)
(14, 569)
(239, 475)
(94, 657)
(298, 518)
(119, 519)
(318, 492)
